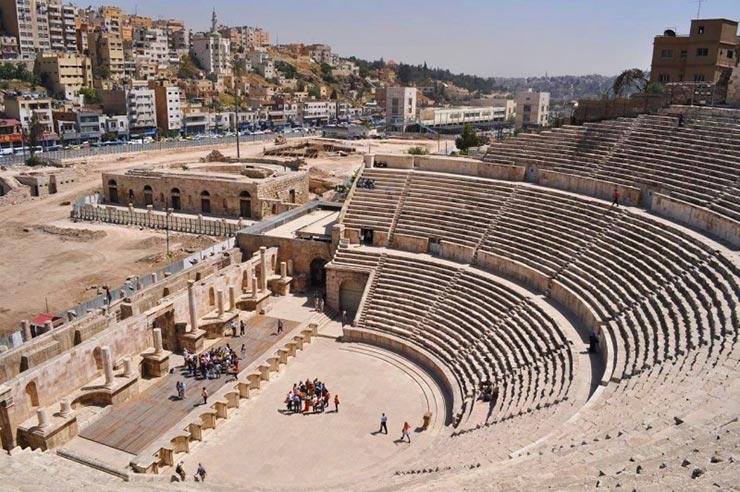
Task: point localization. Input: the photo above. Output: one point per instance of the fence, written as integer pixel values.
(20, 156)
(91, 211)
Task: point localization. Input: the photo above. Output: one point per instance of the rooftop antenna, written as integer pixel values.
(698, 8)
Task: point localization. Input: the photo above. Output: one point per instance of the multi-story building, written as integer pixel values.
(115, 126)
(459, 116)
(167, 100)
(138, 104)
(11, 133)
(532, 109)
(107, 19)
(178, 38)
(8, 47)
(262, 62)
(28, 22)
(65, 73)
(246, 37)
(23, 108)
(711, 48)
(151, 49)
(106, 55)
(314, 113)
(321, 53)
(62, 30)
(400, 107)
(76, 127)
(212, 50)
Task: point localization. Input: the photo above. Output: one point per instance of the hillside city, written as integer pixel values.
(101, 77)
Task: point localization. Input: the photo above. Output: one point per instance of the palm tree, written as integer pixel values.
(634, 77)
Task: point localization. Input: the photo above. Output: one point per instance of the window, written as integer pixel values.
(684, 53)
(702, 51)
(666, 54)
(698, 77)
(664, 77)
(730, 54)
(700, 30)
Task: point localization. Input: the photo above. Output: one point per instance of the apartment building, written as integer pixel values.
(321, 53)
(65, 73)
(24, 107)
(76, 127)
(62, 29)
(532, 109)
(28, 22)
(150, 49)
(168, 104)
(315, 113)
(703, 55)
(11, 133)
(107, 19)
(263, 63)
(400, 107)
(459, 116)
(139, 106)
(246, 37)
(106, 54)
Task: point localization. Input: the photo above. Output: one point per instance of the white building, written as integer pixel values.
(460, 116)
(532, 109)
(151, 47)
(400, 107)
(213, 51)
(263, 63)
(317, 112)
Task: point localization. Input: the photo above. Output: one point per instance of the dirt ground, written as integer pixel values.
(45, 257)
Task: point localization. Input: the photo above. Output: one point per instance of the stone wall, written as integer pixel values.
(301, 252)
(701, 218)
(335, 277)
(267, 197)
(44, 184)
(156, 220)
(582, 185)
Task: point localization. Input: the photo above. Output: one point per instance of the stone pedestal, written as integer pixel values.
(192, 341)
(155, 365)
(257, 301)
(281, 285)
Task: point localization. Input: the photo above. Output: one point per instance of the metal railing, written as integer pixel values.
(20, 156)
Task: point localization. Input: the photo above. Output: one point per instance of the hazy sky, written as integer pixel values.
(484, 37)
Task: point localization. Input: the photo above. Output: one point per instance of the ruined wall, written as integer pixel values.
(300, 251)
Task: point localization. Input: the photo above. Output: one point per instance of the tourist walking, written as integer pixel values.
(383, 424)
(243, 351)
(336, 403)
(180, 471)
(616, 197)
(233, 329)
(178, 388)
(204, 394)
(201, 472)
(344, 317)
(405, 432)
(242, 328)
(280, 326)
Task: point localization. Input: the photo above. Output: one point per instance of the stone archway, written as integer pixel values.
(113, 191)
(32, 394)
(317, 275)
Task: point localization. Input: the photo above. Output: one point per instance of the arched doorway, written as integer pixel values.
(32, 394)
(205, 202)
(113, 191)
(148, 195)
(131, 196)
(245, 205)
(317, 276)
(175, 198)
(350, 294)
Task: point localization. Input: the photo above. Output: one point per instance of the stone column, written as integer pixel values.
(43, 420)
(220, 301)
(154, 277)
(191, 306)
(254, 287)
(48, 326)
(283, 270)
(232, 298)
(107, 366)
(157, 332)
(65, 409)
(26, 328)
(127, 367)
(263, 268)
(290, 267)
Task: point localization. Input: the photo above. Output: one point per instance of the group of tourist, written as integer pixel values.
(366, 183)
(405, 430)
(318, 301)
(310, 396)
(212, 363)
(200, 473)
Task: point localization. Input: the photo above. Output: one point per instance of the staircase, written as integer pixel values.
(491, 226)
(399, 207)
(371, 290)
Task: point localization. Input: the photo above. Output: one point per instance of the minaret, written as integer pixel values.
(214, 21)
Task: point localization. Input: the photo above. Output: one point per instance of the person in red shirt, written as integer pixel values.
(616, 197)
(336, 403)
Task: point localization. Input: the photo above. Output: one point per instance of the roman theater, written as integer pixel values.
(533, 334)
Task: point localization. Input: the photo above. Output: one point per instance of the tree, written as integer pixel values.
(333, 96)
(314, 92)
(90, 94)
(468, 138)
(188, 68)
(102, 72)
(633, 78)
